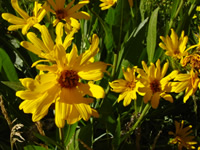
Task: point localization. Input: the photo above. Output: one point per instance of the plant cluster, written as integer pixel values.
(107, 74)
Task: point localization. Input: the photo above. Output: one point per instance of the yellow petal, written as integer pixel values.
(14, 27)
(92, 71)
(84, 110)
(46, 37)
(18, 9)
(74, 116)
(13, 19)
(92, 89)
(31, 47)
(73, 96)
(37, 42)
(118, 86)
(155, 100)
(80, 15)
(127, 99)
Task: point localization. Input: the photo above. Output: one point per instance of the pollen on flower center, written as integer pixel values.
(60, 14)
(155, 86)
(68, 79)
(131, 85)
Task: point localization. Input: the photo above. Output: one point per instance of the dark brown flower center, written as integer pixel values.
(131, 85)
(60, 14)
(68, 79)
(155, 86)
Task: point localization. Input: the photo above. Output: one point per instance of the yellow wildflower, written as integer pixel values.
(68, 13)
(45, 48)
(127, 88)
(174, 47)
(106, 4)
(155, 83)
(193, 60)
(63, 85)
(182, 137)
(188, 82)
(25, 21)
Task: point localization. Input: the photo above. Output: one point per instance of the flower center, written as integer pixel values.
(68, 79)
(155, 86)
(60, 14)
(32, 20)
(131, 85)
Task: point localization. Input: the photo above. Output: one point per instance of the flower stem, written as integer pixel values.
(139, 121)
(61, 136)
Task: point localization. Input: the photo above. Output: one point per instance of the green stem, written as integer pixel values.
(191, 8)
(139, 121)
(195, 111)
(173, 17)
(135, 107)
(61, 136)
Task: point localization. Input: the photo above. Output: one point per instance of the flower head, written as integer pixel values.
(188, 82)
(174, 47)
(62, 84)
(25, 21)
(155, 83)
(106, 4)
(68, 13)
(127, 88)
(193, 61)
(182, 136)
(45, 48)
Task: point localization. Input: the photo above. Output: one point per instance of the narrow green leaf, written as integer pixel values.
(69, 131)
(151, 35)
(8, 66)
(116, 140)
(16, 86)
(110, 17)
(33, 147)
(48, 140)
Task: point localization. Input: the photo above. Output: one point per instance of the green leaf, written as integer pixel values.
(16, 86)
(48, 140)
(110, 17)
(151, 35)
(69, 131)
(8, 66)
(33, 147)
(116, 140)
(85, 137)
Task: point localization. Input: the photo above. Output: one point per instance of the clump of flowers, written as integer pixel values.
(62, 86)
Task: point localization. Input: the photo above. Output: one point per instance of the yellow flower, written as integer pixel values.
(25, 21)
(106, 4)
(127, 88)
(182, 137)
(174, 47)
(155, 83)
(193, 60)
(197, 9)
(68, 13)
(69, 83)
(45, 48)
(188, 82)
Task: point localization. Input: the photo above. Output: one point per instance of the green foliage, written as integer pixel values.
(127, 36)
